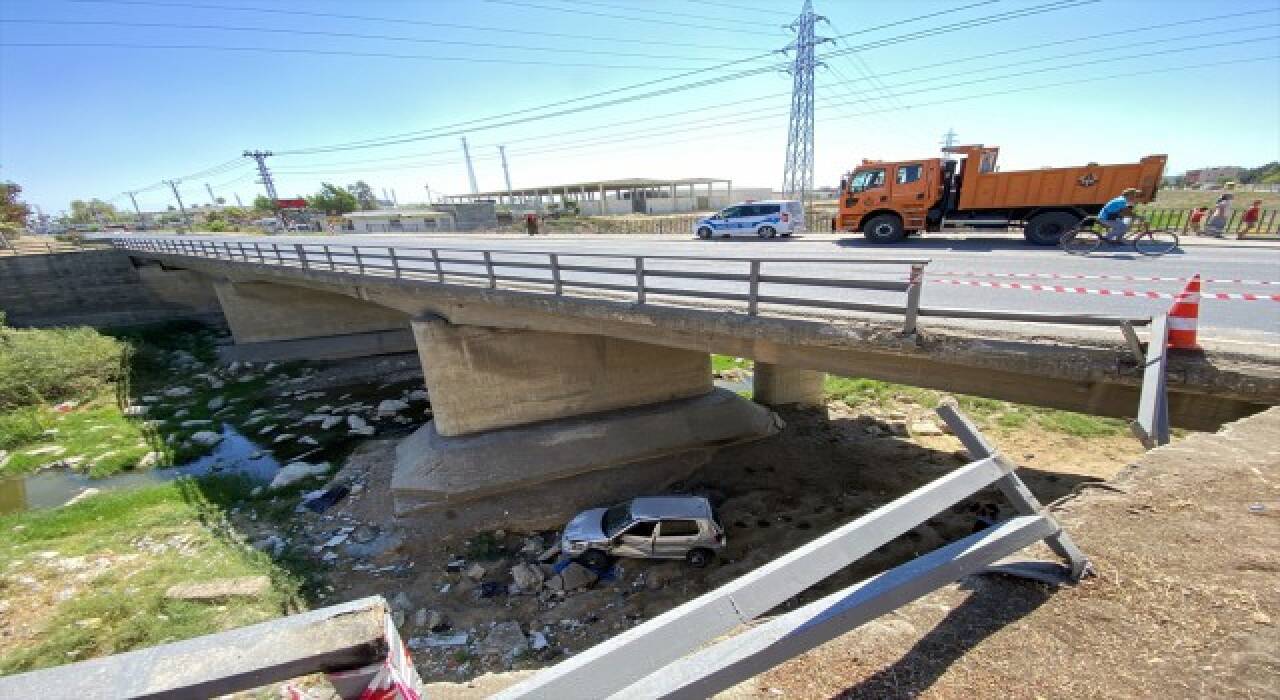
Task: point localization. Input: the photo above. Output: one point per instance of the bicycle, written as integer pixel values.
(1089, 235)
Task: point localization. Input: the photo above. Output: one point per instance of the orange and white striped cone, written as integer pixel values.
(1184, 315)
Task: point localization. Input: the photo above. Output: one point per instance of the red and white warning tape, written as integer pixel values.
(1063, 289)
(1126, 278)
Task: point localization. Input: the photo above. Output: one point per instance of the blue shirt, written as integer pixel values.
(1111, 210)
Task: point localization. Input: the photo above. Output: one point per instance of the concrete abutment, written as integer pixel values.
(776, 385)
(531, 426)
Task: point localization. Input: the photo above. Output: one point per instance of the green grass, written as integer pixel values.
(988, 413)
(187, 540)
(51, 365)
(720, 363)
(108, 442)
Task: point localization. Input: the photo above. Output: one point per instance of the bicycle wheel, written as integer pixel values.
(1156, 242)
(1080, 241)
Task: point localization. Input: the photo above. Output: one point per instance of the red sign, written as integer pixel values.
(291, 203)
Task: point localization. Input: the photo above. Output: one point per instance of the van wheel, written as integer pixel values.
(704, 233)
(885, 228)
(699, 558)
(594, 559)
(1049, 227)
(766, 232)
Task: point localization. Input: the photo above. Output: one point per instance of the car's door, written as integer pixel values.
(675, 538)
(910, 194)
(769, 215)
(741, 223)
(635, 541)
(725, 223)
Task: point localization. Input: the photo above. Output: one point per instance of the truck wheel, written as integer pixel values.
(885, 228)
(704, 233)
(1048, 228)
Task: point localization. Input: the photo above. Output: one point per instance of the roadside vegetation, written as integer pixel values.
(90, 579)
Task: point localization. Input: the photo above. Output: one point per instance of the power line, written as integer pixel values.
(324, 52)
(630, 18)
(443, 131)
(749, 9)
(654, 11)
(406, 20)
(344, 35)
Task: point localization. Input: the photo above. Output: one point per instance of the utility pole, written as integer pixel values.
(173, 185)
(394, 199)
(264, 178)
(213, 201)
(238, 202)
(428, 186)
(136, 210)
(506, 174)
(471, 173)
(797, 175)
(948, 140)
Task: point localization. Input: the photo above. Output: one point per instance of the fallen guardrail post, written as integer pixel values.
(1152, 424)
(669, 656)
(355, 643)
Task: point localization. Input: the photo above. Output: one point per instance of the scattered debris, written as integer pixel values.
(572, 577)
(220, 589)
(177, 392)
(208, 438)
(297, 472)
(476, 571)
(505, 639)
(136, 411)
(87, 493)
(326, 498)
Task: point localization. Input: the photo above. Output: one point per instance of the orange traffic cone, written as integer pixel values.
(1184, 316)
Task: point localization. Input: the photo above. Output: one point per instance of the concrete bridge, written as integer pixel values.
(551, 369)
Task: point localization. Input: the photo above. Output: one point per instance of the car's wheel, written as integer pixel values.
(885, 228)
(704, 233)
(767, 232)
(699, 558)
(594, 559)
(1048, 228)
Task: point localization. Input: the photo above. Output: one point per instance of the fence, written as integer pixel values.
(673, 655)
(1179, 220)
(640, 277)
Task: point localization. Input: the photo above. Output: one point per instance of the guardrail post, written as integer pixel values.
(279, 258)
(258, 249)
(435, 258)
(243, 255)
(639, 279)
(916, 283)
(328, 255)
(226, 247)
(355, 250)
(395, 262)
(488, 265)
(555, 273)
(1152, 424)
(753, 290)
(302, 255)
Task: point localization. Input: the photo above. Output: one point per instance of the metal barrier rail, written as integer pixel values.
(1179, 219)
(562, 271)
(665, 658)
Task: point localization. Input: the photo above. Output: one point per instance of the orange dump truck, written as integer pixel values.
(887, 201)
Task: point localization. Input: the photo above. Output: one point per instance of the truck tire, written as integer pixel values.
(1048, 228)
(885, 228)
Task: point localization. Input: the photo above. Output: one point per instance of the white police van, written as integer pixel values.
(764, 219)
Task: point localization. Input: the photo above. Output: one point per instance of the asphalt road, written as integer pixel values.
(987, 260)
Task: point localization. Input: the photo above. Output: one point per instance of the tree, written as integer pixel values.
(236, 213)
(364, 195)
(1265, 174)
(264, 205)
(83, 212)
(12, 210)
(332, 199)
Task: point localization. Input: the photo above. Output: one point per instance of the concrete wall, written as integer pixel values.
(100, 288)
(775, 385)
(486, 378)
(259, 312)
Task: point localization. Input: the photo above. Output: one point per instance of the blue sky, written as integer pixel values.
(81, 120)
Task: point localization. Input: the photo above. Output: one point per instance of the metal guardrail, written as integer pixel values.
(349, 641)
(643, 276)
(639, 277)
(665, 657)
(1268, 223)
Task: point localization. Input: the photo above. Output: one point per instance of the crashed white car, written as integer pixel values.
(652, 527)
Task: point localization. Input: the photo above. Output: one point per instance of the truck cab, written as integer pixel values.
(886, 200)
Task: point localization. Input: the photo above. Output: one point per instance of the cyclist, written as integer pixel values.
(1113, 213)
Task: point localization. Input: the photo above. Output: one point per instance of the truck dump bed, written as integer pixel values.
(983, 188)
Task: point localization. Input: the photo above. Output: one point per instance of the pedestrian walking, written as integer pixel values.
(1217, 225)
(531, 223)
(1249, 220)
(1197, 219)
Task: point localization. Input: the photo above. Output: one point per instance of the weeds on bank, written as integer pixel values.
(118, 553)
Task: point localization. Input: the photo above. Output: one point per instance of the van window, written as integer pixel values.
(866, 180)
(678, 528)
(767, 209)
(908, 174)
(731, 212)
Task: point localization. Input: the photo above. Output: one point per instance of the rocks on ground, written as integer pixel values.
(221, 589)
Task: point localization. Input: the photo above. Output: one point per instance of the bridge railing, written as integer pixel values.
(753, 282)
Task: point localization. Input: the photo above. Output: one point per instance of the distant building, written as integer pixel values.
(613, 197)
(1211, 176)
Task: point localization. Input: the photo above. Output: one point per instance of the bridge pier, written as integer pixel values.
(282, 322)
(531, 426)
(776, 385)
